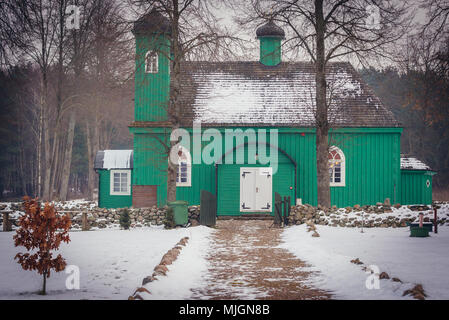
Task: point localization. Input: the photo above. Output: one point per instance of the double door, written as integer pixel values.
(256, 189)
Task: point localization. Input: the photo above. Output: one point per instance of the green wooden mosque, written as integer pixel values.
(262, 110)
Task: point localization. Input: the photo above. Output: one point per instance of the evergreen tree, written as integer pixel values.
(169, 220)
(125, 220)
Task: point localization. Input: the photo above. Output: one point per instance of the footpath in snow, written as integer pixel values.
(413, 260)
(187, 270)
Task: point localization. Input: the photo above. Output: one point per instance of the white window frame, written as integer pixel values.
(188, 183)
(116, 193)
(149, 66)
(342, 182)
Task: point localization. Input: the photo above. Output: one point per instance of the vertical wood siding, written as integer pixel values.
(152, 89)
(372, 169)
(229, 184)
(270, 51)
(414, 189)
(105, 199)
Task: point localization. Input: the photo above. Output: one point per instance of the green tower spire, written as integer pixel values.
(270, 37)
(152, 77)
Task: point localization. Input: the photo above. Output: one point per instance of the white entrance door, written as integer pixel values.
(256, 189)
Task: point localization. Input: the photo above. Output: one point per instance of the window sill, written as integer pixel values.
(183, 185)
(337, 185)
(120, 194)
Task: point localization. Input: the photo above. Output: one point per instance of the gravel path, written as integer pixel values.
(245, 263)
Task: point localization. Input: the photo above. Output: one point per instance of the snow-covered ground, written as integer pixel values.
(186, 272)
(413, 260)
(112, 264)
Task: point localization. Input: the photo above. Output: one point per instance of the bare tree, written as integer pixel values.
(327, 30)
(37, 23)
(109, 64)
(11, 31)
(437, 24)
(79, 42)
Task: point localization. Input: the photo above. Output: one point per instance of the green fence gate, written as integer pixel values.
(208, 209)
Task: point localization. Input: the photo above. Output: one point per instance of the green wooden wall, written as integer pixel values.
(270, 51)
(372, 165)
(229, 185)
(152, 89)
(105, 199)
(414, 189)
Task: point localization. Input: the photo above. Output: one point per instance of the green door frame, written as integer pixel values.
(245, 145)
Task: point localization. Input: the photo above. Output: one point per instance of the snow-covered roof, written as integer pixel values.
(413, 164)
(248, 93)
(114, 159)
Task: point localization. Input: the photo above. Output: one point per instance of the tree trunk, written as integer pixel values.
(47, 141)
(39, 190)
(67, 158)
(89, 155)
(44, 284)
(22, 161)
(171, 179)
(173, 104)
(322, 123)
(54, 163)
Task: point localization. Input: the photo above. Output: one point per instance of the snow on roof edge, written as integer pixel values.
(411, 163)
(114, 159)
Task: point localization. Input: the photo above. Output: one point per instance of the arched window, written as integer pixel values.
(184, 175)
(336, 167)
(151, 62)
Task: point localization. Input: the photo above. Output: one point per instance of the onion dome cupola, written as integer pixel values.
(150, 23)
(270, 36)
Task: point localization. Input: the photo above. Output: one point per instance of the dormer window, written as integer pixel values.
(151, 62)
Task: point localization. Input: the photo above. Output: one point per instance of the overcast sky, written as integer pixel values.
(227, 16)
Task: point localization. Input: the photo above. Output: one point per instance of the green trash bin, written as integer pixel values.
(180, 211)
(419, 232)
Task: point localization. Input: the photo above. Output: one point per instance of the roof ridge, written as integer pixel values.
(250, 92)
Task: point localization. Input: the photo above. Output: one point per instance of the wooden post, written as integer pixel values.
(435, 220)
(363, 221)
(85, 222)
(6, 223)
(284, 213)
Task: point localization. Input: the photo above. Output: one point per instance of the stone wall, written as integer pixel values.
(380, 215)
(140, 217)
(99, 218)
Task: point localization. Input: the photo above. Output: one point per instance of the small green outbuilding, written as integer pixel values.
(114, 168)
(416, 181)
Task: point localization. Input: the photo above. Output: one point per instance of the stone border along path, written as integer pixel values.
(245, 263)
(161, 269)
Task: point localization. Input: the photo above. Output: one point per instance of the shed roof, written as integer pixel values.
(410, 163)
(114, 159)
(249, 93)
